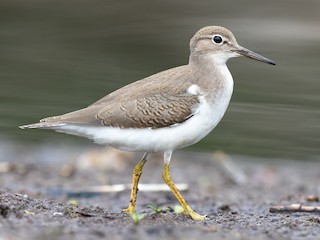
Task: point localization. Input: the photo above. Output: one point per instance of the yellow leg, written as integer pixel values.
(135, 180)
(187, 209)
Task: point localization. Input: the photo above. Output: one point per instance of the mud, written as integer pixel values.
(43, 196)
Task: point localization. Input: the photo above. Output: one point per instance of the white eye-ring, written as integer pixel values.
(217, 39)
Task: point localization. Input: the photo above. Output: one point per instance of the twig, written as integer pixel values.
(296, 207)
(230, 169)
(123, 187)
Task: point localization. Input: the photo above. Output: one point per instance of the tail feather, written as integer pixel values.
(50, 119)
(49, 122)
(42, 124)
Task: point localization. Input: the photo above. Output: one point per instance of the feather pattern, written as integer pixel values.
(147, 103)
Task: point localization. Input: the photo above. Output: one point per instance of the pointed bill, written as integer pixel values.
(250, 54)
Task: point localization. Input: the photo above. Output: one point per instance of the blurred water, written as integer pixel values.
(59, 56)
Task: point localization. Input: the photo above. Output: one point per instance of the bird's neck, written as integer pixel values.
(212, 73)
(207, 61)
(210, 67)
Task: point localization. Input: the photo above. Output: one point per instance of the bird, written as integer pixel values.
(169, 110)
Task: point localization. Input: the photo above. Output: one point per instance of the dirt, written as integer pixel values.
(44, 195)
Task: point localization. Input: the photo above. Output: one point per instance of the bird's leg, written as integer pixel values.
(168, 180)
(135, 180)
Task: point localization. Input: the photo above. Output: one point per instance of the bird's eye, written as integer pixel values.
(217, 39)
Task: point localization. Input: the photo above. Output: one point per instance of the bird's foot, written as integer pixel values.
(129, 210)
(195, 216)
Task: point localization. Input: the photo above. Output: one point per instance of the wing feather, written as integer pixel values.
(154, 111)
(160, 100)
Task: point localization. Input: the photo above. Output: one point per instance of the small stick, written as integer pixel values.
(296, 207)
(230, 169)
(122, 187)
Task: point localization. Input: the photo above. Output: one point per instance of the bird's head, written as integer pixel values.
(220, 44)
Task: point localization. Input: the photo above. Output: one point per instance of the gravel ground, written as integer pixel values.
(44, 195)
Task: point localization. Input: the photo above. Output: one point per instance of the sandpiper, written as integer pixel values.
(171, 109)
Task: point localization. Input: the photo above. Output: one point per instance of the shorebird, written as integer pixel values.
(169, 110)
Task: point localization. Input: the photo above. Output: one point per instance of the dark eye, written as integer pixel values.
(217, 39)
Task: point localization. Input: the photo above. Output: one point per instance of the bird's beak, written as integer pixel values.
(250, 54)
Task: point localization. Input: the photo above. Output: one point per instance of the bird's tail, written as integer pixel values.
(50, 122)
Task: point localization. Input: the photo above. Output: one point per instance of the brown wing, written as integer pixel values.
(153, 111)
(160, 100)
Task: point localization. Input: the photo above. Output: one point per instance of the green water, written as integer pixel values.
(59, 56)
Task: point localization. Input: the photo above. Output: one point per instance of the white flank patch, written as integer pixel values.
(194, 89)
